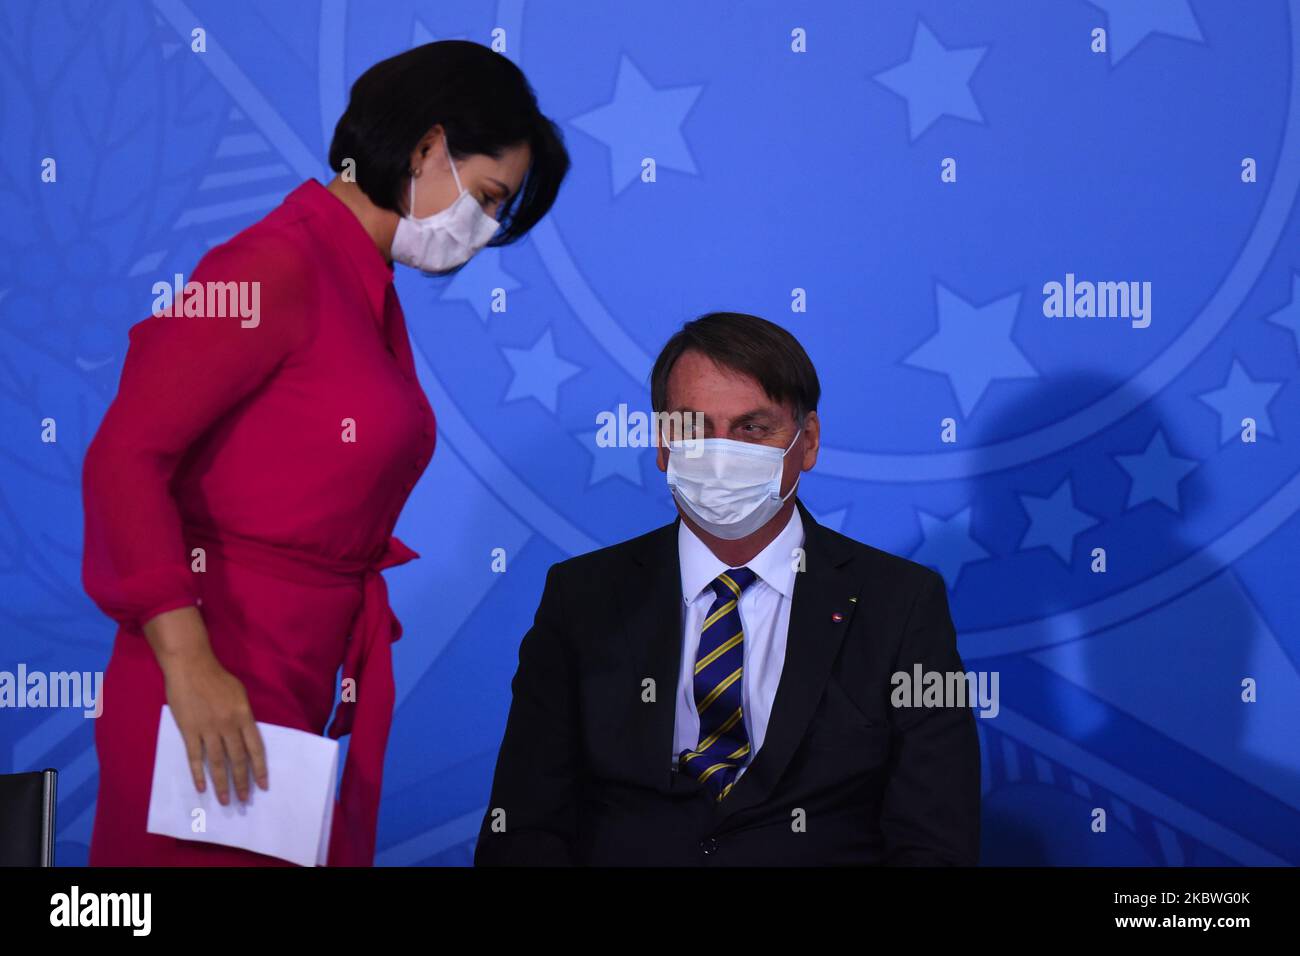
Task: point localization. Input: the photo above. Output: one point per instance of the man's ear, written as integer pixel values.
(661, 453)
(812, 440)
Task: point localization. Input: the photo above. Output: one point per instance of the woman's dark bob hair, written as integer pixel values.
(482, 101)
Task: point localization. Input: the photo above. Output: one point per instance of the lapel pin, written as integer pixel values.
(837, 617)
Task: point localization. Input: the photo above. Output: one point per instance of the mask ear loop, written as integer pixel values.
(459, 188)
(786, 497)
(410, 211)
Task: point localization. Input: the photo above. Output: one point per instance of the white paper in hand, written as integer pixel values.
(290, 820)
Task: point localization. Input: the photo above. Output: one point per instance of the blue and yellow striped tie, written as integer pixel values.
(724, 742)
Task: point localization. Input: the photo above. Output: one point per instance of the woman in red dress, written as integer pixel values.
(242, 489)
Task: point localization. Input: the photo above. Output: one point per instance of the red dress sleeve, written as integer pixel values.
(181, 375)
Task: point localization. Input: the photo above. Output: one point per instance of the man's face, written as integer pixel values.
(734, 405)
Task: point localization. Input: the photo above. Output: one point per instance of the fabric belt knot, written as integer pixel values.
(367, 662)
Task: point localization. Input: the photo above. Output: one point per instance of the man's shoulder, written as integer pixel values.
(882, 567)
(604, 561)
(874, 565)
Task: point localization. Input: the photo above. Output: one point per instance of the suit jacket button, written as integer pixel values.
(709, 846)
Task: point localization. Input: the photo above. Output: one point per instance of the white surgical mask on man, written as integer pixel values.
(729, 488)
(446, 239)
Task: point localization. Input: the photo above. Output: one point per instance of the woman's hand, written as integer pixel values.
(209, 703)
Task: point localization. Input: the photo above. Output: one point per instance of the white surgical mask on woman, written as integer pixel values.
(446, 239)
(730, 488)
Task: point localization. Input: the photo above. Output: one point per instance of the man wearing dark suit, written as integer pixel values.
(718, 691)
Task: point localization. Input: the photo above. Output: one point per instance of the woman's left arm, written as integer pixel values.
(181, 375)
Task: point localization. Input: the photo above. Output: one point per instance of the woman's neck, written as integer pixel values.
(381, 224)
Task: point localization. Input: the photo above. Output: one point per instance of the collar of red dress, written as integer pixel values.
(344, 229)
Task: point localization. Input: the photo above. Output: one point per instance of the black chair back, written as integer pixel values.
(27, 818)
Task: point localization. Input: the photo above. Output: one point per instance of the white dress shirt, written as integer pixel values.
(764, 615)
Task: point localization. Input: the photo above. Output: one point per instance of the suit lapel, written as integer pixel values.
(813, 641)
(650, 603)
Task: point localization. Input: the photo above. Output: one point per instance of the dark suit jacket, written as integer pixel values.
(585, 773)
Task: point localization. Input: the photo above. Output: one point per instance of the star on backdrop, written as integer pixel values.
(1289, 315)
(947, 544)
(641, 121)
(831, 519)
(935, 81)
(539, 372)
(1129, 22)
(1156, 473)
(621, 461)
(1054, 521)
(966, 330)
(1241, 397)
(474, 283)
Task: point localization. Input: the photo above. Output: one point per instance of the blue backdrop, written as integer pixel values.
(920, 171)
